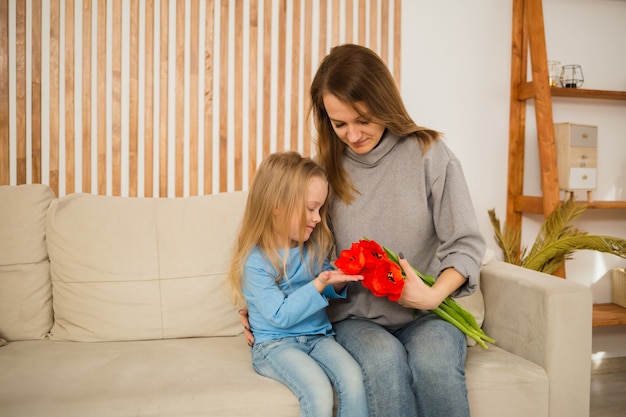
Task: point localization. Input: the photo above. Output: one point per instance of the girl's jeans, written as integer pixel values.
(308, 365)
(417, 370)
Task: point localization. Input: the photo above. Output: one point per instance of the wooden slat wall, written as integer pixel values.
(167, 98)
(4, 94)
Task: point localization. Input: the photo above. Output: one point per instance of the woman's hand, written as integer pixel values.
(416, 294)
(245, 322)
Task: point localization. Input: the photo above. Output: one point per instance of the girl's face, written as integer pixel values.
(360, 135)
(317, 192)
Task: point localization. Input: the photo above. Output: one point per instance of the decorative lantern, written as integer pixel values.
(572, 76)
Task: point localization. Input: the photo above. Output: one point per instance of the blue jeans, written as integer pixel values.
(308, 365)
(418, 370)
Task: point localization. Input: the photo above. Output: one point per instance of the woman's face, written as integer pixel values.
(316, 195)
(359, 134)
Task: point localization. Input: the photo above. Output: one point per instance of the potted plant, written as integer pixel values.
(556, 241)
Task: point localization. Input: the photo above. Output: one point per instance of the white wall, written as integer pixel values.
(455, 78)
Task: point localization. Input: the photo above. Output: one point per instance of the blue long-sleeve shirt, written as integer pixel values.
(291, 307)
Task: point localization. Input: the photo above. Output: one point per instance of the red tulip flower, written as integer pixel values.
(380, 275)
(351, 261)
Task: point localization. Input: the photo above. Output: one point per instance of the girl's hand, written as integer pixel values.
(336, 278)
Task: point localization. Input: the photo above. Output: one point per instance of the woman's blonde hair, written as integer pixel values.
(356, 75)
(277, 194)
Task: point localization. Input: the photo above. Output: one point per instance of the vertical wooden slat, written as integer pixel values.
(349, 23)
(86, 98)
(116, 84)
(280, 70)
(36, 93)
(208, 97)
(323, 27)
(163, 97)
(238, 105)
(179, 121)
(307, 47)
(335, 22)
(295, 75)
(267, 79)
(148, 141)
(20, 91)
(397, 39)
(133, 120)
(223, 115)
(384, 31)
(69, 98)
(373, 23)
(54, 94)
(5, 162)
(252, 90)
(362, 23)
(101, 101)
(194, 92)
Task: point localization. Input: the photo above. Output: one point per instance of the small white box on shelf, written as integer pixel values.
(618, 292)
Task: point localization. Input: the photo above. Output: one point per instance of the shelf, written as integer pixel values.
(528, 204)
(608, 315)
(527, 90)
(582, 93)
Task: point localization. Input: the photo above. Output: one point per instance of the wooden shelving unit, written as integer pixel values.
(529, 40)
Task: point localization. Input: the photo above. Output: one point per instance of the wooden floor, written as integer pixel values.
(608, 388)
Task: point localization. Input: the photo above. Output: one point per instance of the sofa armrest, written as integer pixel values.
(546, 320)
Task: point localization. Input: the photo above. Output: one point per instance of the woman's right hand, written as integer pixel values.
(245, 322)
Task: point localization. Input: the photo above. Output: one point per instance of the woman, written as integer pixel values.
(397, 183)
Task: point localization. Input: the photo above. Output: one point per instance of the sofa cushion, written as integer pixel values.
(500, 383)
(138, 269)
(200, 377)
(210, 377)
(25, 292)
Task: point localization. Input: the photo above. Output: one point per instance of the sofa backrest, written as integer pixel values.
(120, 268)
(140, 268)
(25, 291)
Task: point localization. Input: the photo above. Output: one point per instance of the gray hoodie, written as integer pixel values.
(411, 203)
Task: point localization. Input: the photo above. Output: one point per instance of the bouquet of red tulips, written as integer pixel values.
(384, 277)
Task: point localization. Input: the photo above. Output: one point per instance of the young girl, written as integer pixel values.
(281, 270)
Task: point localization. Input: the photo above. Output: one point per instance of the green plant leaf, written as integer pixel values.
(557, 226)
(555, 252)
(556, 241)
(507, 240)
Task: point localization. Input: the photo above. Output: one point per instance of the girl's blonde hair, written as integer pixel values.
(280, 185)
(356, 75)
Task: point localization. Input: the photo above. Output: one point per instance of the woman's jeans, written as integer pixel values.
(308, 365)
(418, 370)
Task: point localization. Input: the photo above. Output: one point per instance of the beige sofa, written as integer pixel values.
(115, 306)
